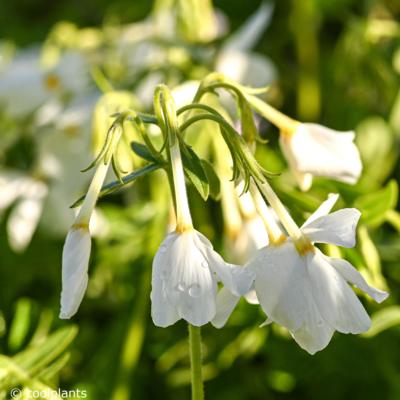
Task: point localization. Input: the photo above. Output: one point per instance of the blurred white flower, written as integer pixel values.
(64, 147)
(313, 149)
(235, 59)
(26, 195)
(184, 282)
(308, 293)
(25, 215)
(252, 234)
(25, 85)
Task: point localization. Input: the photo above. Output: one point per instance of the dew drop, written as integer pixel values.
(204, 264)
(164, 274)
(180, 287)
(319, 323)
(163, 249)
(195, 290)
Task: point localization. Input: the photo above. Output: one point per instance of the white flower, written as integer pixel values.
(309, 294)
(25, 85)
(25, 215)
(28, 194)
(186, 269)
(313, 149)
(76, 251)
(236, 60)
(184, 282)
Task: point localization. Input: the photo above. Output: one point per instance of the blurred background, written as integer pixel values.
(335, 62)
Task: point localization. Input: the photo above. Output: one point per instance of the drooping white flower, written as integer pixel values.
(308, 292)
(76, 251)
(186, 270)
(314, 150)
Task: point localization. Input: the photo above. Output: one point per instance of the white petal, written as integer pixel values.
(12, 185)
(251, 237)
(226, 302)
(337, 228)
(75, 263)
(236, 278)
(335, 300)
(324, 209)
(189, 283)
(281, 284)
(315, 333)
(247, 68)
(248, 34)
(25, 216)
(304, 179)
(163, 312)
(322, 151)
(251, 297)
(351, 275)
(184, 93)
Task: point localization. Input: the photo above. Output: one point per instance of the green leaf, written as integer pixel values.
(54, 368)
(374, 206)
(20, 324)
(142, 151)
(35, 358)
(384, 319)
(376, 142)
(213, 180)
(195, 171)
(115, 185)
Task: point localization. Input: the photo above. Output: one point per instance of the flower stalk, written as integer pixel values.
(275, 234)
(195, 362)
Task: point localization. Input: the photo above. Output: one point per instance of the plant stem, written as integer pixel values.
(195, 362)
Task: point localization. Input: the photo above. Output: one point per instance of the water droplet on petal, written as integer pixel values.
(195, 290)
(162, 249)
(180, 287)
(319, 323)
(204, 264)
(164, 274)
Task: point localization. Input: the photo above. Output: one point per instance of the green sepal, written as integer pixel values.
(142, 151)
(249, 129)
(213, 180)
(194, 170)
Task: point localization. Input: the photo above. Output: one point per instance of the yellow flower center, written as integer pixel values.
(52, 82)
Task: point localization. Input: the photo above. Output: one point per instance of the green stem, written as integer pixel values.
(195, 362)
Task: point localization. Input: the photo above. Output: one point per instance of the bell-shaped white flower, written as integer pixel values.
(76, 251)
(308, 292)
(186, 270)
(313, 149)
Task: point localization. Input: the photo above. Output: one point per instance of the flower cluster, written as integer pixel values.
(296, 285)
